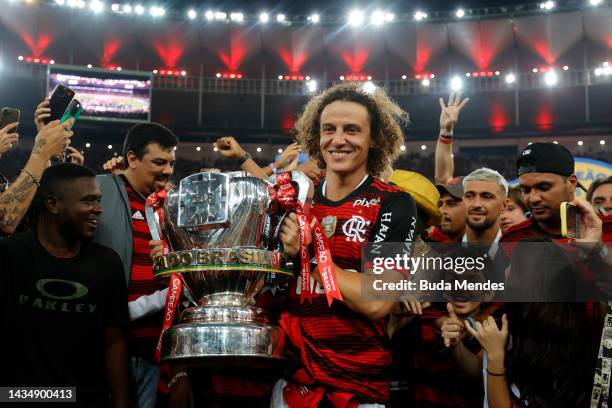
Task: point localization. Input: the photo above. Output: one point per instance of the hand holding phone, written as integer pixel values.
(9, 116)
(571, 221)
(58, 103)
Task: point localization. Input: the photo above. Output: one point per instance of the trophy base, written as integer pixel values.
(213, 339)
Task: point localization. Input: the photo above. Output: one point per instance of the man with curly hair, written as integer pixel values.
(343, 353)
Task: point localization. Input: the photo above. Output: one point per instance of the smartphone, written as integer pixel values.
(59, 101)
(72, 114)
(571, 221)
(8, 116)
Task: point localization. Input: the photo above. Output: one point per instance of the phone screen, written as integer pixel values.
(573, 221)
(72, 114)
(60, 99)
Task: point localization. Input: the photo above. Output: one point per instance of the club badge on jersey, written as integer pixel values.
(329, 225)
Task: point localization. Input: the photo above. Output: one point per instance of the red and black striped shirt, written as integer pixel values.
(339, 348)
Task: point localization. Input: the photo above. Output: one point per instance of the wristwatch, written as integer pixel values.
(244, 158)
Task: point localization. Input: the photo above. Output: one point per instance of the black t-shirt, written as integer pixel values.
(54, 313)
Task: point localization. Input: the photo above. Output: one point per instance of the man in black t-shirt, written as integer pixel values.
(63, 302)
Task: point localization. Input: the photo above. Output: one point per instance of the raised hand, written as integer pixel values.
(114, 165)
(51, 140)
(449, 115)
(43, 111)
(229, 147)
(490, 337)
(291, 153)
(453, 328)
(77, 157)
(8, 140)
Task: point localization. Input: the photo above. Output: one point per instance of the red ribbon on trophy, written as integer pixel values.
(176, 285)
(287, 197)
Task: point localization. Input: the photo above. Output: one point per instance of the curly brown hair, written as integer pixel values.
(386, 119)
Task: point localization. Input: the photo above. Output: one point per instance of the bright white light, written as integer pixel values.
(368, 87)
(218, 75)
(423, 147)
(389, 17)
(607, 71)
(60, 2)
(307, 78)
(96, 6)
(378, 18)
(139, 9)
(580, 143)
(280, 18)
(467, 74)
(565, 67)
(605, 64)
(314, 18)
(80, 4)
(264, 17)
(497, 73)
(403, 148)
(420, 15)
(456, 83)
(88, 145)
(510, 79)
(312, 86)
(602, 142)
(425, 82)
(594, 2)
(89, 66)
(280, 77)
(598, 71)
(127, 9)
(238, 17)
(280, 151)
(20, 58)
(210, 15)
(355, 18)
(550, 78)
(115, 7)
(342, 77)
(118, 68)
(535, 70)
(183, 73)
(109, 147)
(220, 15)
(547, 5)
(192, 14)
(404, 77)
(157, 11)
(155, 71)
(198, 148)
(259, 150)
(215, 149)
(555, 142)
(460, 13)
(52, 62)
(174, 148)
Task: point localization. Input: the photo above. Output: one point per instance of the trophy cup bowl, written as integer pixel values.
(222, 229)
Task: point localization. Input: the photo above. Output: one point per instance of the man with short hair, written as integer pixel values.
(149, 162)
(600, 195)
(63, 297)
(452, 227)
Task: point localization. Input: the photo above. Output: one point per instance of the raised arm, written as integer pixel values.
(449, 115)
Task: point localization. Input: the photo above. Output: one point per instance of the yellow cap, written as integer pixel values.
(422, 190)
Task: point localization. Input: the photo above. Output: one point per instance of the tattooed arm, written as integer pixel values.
(16, 200)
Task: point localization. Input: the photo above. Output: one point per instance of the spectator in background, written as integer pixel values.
(600, 195)
(515, 210)
(452, 227)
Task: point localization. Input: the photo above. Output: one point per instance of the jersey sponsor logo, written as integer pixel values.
(138, 216)
(365, 203)
(354, 229)
(381, 234)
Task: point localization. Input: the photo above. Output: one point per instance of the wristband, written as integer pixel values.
(176, 377)
(244, 158)
(446, 139)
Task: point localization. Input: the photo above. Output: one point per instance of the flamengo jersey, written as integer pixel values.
(339, 348)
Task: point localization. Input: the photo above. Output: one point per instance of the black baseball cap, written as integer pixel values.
(543, 157)
(453, 187)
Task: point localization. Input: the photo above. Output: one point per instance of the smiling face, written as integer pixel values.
(345, 137)
(153, 171)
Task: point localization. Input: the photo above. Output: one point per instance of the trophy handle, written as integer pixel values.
(153, 222)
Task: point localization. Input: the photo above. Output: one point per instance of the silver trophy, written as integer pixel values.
(222, 229)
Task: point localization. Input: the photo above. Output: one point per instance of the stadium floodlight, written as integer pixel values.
(157, 11)
(420, 15)
(378, 18)
(209, 15)
(96, 6)
(220, 15)
(280, 18)
(139, 9)
(547, 5)
(389, 17)
(89, 66)
(237, 17)
(115, 7)
(425, 82)
(456, 83)
(60, 2)
(258, 149)
(355, 18)
(127, 9)
(550, 78)
(565, 67)
(594, 2)
(264, 17)
(198, 148)
(314, 18)
(602, 142)
(80, 4)
(423, 147)
(403, 148)
(109, 147)
(192, 14)
(460, 13)
(510, 78)
(580, 143)
(312, 86)
(88, 145)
